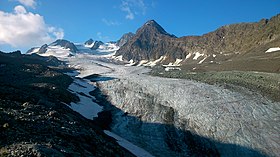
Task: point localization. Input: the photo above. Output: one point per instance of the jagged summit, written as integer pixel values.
(149, 42)
(153, 27)
(89, 42)
(152, 23)
(58, 48)
(65, 44)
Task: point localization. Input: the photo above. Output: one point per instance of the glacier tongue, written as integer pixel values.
(163, 115)
(173, 117)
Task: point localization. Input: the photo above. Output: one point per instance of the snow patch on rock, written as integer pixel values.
(176, 63)
(189, 56)
(202, 60)
(155, 62)
(86, 107)
(197, 55)
(137, 151)
(131, 63)
(273, 49)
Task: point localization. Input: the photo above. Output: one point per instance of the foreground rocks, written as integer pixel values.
(35, 119)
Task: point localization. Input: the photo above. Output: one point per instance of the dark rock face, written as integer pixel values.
(124, 39)
(150, 42)
(228, 42)
(43, 49)
(89, 42)
(66, 44)
(96, 45)
(34, 120)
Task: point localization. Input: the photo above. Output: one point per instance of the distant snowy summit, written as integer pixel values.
(59, 48)
(62, 48)
(94, 45)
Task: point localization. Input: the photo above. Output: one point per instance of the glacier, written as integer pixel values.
(176, 117)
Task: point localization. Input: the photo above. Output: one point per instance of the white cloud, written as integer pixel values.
(20, 10)
(57, 32)
(133, 7)
(110, 23)
(22, 29)
(28, 3)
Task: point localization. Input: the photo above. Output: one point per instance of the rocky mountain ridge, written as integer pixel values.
(228, 43)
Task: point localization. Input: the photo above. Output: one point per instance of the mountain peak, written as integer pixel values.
(152, 26)
(89, 42)
(151, 22)
(65, 43)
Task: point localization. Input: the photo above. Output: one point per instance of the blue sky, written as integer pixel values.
(28, 23)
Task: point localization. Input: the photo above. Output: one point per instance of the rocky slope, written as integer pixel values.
(35, 119)
(149, 42)
(224, 47)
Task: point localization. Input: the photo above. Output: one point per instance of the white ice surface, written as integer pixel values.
(86, 65)
(137, 151)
